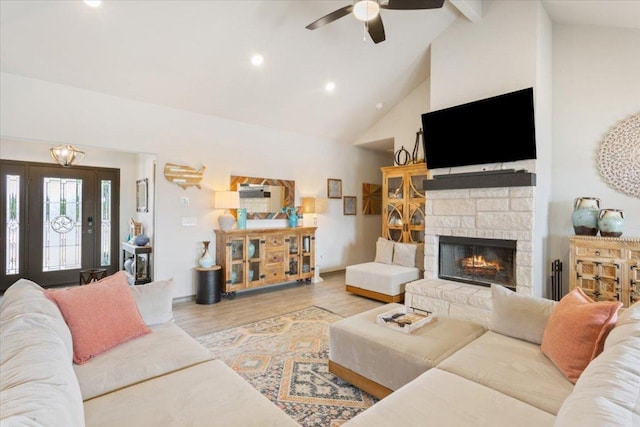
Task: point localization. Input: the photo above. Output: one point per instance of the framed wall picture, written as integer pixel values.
(142, 195)
(371, 199)
(334, 188)
(349, 205)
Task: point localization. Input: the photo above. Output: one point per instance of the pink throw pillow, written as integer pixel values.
(100, 315)
(576, 331)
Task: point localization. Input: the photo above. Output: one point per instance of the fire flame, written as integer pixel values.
(478, 261)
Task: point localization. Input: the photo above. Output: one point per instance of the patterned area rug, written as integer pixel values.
(285, 358)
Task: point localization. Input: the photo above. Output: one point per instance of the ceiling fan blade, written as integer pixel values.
(412, 4)
(376, 29)
(336, 14)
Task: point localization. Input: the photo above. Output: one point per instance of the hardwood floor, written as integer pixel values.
(247, 307)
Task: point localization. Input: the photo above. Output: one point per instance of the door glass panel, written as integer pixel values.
(62, 227)
(12, 226)
(105, 227)
(417, 186)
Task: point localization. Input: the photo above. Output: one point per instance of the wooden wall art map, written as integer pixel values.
(184, 176)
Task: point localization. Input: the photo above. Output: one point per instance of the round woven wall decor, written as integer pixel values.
(619, 156)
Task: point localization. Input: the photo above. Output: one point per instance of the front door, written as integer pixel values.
(57, 221)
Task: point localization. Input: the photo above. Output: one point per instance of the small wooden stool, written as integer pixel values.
(92, 275)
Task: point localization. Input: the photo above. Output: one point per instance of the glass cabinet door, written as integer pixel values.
(415, 227)
(254, 260)
(293, 256)
(235, 274)
(307, 259)
(395, 222)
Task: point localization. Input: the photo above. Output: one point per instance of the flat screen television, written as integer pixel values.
(492, 130)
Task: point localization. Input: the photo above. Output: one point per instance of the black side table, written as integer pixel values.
(209, 280)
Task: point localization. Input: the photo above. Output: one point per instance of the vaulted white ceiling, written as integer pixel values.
(195, 55)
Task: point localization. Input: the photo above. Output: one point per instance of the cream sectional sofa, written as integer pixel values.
(164, 378)
(502, 378)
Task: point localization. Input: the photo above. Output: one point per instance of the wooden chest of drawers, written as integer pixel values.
(606, 268)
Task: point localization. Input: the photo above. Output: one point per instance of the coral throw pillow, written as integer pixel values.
(100, 315)
(576, 331)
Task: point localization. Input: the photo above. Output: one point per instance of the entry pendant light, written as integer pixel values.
(66, 155)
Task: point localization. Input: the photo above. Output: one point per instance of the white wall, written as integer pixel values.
(402, 122)
(42, 111)
(595, 85)
(509, 49)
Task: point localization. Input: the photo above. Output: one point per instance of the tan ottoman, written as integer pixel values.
(380, 360)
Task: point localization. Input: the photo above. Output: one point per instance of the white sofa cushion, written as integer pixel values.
(519, 316)
(442, 399)
(627, 325)
(378, 277)
(404, 254)
(514, 367)
(166, 350)
(384, 251)
(37, 384)
(208, 394)
(607, 394)
(155, 301)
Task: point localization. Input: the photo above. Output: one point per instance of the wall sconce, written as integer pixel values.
(66, 154)
(226, 200)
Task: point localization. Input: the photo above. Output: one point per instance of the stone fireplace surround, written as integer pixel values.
(491, 207)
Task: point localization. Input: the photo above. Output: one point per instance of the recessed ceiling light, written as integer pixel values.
(257, 60)
(330, 86)
(93, 3)
(379, 105)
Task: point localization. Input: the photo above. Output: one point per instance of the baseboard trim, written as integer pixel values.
(365, 384)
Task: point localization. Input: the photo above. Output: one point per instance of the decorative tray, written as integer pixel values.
(405, 319)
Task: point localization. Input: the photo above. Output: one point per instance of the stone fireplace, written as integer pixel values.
(483, 208)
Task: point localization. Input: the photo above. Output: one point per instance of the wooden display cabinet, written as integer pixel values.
(260, 257)
(403, 202)
(606, 268)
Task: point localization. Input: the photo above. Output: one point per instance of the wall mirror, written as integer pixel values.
(142, 197)
(263, 198)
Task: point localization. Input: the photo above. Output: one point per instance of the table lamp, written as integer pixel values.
(226, 200)
(313, 206)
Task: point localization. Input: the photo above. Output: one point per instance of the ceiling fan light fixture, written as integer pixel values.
(366, 10)
(93, 3)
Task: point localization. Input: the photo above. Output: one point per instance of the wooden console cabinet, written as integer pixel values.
(403, 202)
(141, 255)
(606, 268)
(260, 257)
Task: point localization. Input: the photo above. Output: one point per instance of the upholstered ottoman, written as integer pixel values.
(376, 280)
(379, 360)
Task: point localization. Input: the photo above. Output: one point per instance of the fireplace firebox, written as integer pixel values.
(477, 261)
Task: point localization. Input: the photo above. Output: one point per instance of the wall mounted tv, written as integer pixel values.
(492, 130)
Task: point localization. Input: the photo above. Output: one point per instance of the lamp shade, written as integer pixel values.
(226, 200)
(314, 205)
(66, 154)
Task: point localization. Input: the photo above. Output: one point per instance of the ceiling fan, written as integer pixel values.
(368, 11)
